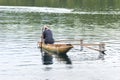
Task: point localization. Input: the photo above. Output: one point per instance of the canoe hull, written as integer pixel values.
(55, 48)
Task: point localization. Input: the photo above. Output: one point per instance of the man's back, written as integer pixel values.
(48, 36)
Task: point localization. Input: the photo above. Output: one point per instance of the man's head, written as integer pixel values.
(46, 27)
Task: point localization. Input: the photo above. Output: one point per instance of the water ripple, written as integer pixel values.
(22, 9)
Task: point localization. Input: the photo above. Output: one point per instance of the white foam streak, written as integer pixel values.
(34, 9)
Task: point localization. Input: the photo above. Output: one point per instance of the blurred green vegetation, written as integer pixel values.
(100, 5)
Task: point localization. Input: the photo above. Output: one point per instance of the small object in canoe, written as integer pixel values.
(55, 48)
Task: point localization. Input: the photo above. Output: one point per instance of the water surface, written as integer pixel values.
(20, 30)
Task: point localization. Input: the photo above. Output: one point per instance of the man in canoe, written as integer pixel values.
(47, 36)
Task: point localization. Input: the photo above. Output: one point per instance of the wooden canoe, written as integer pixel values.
(55, 48)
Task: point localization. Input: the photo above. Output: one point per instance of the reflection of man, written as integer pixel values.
(47, 59)
(47, 36)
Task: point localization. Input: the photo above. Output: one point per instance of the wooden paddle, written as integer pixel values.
(42, 55)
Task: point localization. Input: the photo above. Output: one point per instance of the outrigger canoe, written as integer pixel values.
(55, 48)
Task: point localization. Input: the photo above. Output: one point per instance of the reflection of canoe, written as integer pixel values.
(55, 48)
(64, 57)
